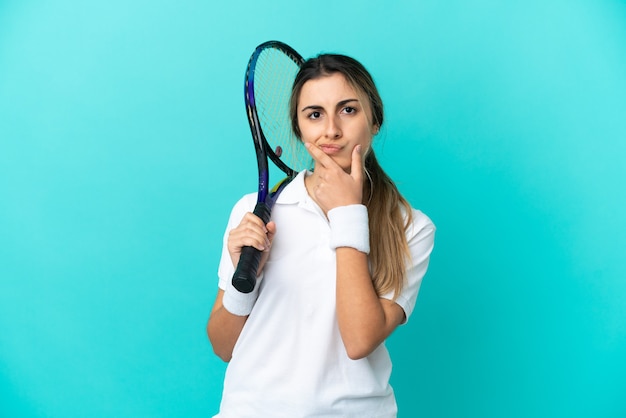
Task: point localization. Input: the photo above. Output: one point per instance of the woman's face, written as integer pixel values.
(332, 118)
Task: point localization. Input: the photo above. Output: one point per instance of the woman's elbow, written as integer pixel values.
(223, 351)
(224, 355)
(357, 351)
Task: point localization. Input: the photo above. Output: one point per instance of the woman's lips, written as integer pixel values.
(330, 149)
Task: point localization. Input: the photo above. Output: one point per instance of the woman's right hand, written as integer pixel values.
(251, 232)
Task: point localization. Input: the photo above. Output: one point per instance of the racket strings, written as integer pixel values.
(273, 79)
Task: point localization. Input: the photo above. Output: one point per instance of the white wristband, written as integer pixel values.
(349, 227)
(238, 303)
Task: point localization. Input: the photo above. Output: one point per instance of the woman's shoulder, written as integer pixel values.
(419, 221)
(247, 200)
(418, 218)
(245, 204)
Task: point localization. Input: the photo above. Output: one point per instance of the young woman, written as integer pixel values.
(344, 256)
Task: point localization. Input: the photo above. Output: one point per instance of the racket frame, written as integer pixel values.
(244, 278)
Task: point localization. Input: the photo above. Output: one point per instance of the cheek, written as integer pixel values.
(305, 135)
(302, 128)
(366, 137)
(307, 132)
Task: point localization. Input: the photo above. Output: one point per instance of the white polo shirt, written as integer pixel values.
(289, 360)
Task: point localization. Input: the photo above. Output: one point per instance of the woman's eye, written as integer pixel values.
(349, 110)
(314, 115)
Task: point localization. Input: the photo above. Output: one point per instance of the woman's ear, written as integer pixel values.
(375, 129)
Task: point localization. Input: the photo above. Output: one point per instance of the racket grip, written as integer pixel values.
(244, 278)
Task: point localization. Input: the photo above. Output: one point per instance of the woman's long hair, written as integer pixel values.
(389, 213)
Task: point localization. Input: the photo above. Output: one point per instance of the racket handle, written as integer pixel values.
(244, 278)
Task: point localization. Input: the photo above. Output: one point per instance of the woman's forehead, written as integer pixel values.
(332, 87)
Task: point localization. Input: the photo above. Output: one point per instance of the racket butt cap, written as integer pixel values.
(244, 285)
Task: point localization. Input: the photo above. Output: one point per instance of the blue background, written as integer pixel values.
(124, 143)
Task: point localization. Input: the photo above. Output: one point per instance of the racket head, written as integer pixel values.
(269, 79)
(270, 75)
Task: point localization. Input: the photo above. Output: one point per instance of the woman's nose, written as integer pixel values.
(333, 130)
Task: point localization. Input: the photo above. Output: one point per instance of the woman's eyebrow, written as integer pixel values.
(345, 102)
(339, 104)
(312, 107)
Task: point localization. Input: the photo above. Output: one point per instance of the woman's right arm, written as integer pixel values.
(226, 322)
(224, 328)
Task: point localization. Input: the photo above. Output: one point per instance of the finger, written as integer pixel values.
(248, 234)
(320, 156)
(238, 241)
(251, 218)
(269, 237)
(356, 168)
(271, 230)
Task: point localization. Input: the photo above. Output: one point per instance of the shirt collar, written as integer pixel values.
(295, 191)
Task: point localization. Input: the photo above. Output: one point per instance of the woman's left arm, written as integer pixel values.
(365, 319)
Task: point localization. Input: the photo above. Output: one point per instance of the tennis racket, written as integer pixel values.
(269, 79)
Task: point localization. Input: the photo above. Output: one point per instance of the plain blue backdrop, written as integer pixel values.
(124, 144)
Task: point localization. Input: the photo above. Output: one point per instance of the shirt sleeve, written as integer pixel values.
(226, 269)
(421, 240)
